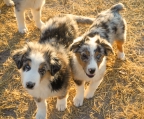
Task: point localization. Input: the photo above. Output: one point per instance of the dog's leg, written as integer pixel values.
(20, 21)
(37, 17)
(78, 99)
(121, 54)
(42, 108)
(9, 2)
(61, 103)
(89, 93)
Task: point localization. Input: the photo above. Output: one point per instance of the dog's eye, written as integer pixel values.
(26, 67)
(42, 71)
(98, 57)
(84, 57)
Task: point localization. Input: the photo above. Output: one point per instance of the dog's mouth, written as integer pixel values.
(90, 75)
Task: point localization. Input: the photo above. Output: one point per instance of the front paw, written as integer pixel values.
(61, 104)
(121, 55)
(41, 115)
(78, 101)
(23, 30)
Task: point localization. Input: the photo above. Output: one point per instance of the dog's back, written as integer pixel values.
(59, 29)
(109, 24)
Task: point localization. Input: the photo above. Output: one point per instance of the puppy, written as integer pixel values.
(45, 72)
(45, 66)
(88, 59)
(9, 2)
(21, 6)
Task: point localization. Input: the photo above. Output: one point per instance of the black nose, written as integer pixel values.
(91, 71)
(30, 85)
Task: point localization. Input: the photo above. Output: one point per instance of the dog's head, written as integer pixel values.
(36, 62)
(90, 52)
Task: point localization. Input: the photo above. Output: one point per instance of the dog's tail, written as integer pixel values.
(117, 7)
(81, 19)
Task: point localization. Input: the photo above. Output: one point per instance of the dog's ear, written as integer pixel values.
(55, 66)
(106, 45)
(76, 45)
(17, 57)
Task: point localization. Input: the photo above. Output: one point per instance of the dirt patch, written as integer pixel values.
(4, 56)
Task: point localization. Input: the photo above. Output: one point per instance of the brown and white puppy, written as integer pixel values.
(45, 72)
(44, 66)
(88, 60)
(21, 6)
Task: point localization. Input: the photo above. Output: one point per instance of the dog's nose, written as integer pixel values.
(30, 85)
(91, 70)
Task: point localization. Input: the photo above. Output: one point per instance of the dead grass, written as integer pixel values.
(120, 95)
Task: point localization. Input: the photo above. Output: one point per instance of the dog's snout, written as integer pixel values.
(30, 85)
(91, 70)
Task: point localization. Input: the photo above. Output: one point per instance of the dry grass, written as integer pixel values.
(120, 95)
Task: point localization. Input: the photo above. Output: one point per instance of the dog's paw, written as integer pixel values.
(23, 30)
(40, 116)
(78, 101)
(121, 55)
(9, 2)
(61, 104)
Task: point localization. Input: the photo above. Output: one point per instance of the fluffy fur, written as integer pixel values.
(21, 6)
(62, 29)
(88, 60)
(45, 72)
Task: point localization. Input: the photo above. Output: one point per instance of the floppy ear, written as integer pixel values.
(55, 66)
(106, 45)
(17, 57)
(76, 45)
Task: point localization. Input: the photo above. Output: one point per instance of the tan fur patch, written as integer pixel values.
(78, 82)
(61, 97)
(38, 9)
(46, 76)
(82, 63)
(120, 45)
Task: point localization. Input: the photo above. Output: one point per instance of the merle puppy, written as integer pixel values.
(89, 51)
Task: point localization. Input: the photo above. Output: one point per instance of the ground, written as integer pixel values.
(119, 96)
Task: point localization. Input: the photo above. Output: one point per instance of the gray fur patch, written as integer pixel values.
(109, 25)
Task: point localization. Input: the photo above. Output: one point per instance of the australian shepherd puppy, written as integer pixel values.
(21, 6)
(88, 60)
(45, 66)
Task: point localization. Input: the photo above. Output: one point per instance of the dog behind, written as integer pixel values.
(21, 6)
(89, 51)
